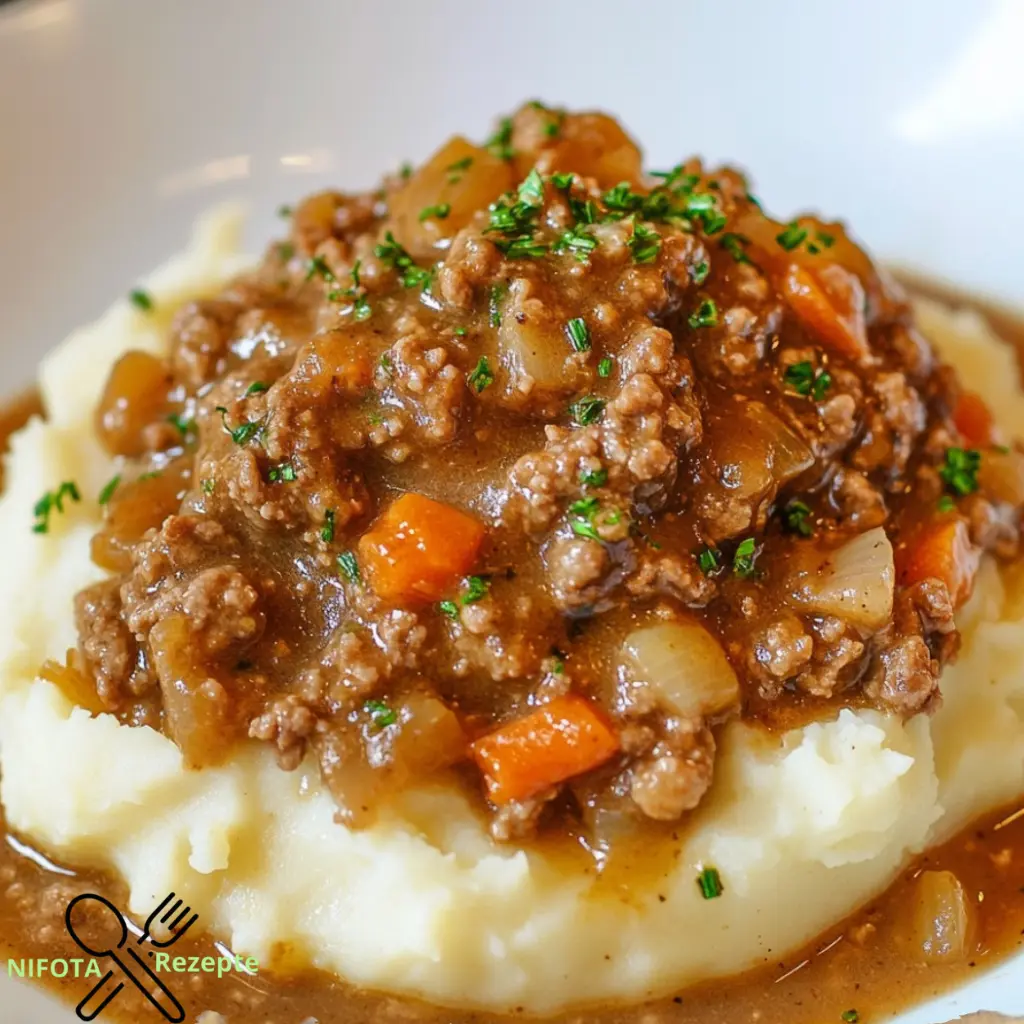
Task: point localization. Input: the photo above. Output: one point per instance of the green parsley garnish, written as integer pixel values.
(477, 588)
(791, 237)
(327, 530)
(805, 380)
(285, 251)
(141, 300)
(498, 293)
(946, 504)
(50, 501)
(709, 560)
(381, 713)
(460, 332)
(317, 267)
(794, 518)
(734, 244)
(850, 1016)
(284, 211)
(207, 485)
(576, 241)
(449, 608)
(699, 273)
(743, 559)
(531, 190)
(282, 474)
(583, 512)
(391, 254)
(438, 212)
(579, 334)
(710, 883)
(244, 433)
(516, 221)
(604, 367)
(644, 244)
(108, 489)
(959, 471)
(705, 315)
(481, 377)
(349, 567)
(257, 387)
(500, 143)
(594, 477)
(455, 170)
(184, 425)
(405, 171)
(563, 180)
(587, 410)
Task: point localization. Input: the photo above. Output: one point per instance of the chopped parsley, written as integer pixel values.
(382, 714)
(282, 474)
(946, 504)
(531, 190)
(516, 221)
(734, 244)
(108, 489)
(587, 410)
(576, 241)
(53, 500)
(792, 236)
(460, 332)
(482, 376)
(500, 143)
(257, 387)
(244, 433)
(457, 169)
(604, 367)
(361, 309)
(405, 171)
(498, 293)
(583, 512)
(850, 1016)
(805, 380)
(449, 609)
(644, 244)
(563, 180)
(579, 334)
(710, 883)
(594, 477)
(391, 254)
(477, 588)
(349, 567)
(141, 300)
(317, 267)
(959, 471)
(207, 485)
(284, 211)
(438, 212)
(705, 315)
(699, 273)
(327, 530)
(795, 518)
(285, 251)
(184, 425)
(709, 560)
(743, 559)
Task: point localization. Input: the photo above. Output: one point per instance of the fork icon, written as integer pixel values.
(170, 908)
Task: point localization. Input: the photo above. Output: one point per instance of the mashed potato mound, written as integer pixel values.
(803, 828)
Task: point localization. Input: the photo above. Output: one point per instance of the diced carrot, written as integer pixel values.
(942, 550)
(418, 548)
(567, 737)
(974, 420)
(830, 304)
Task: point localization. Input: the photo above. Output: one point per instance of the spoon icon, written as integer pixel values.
(132, 966)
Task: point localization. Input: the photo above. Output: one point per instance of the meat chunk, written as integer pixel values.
(108, 646)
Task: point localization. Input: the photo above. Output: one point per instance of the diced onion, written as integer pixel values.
(942, 923)
(854, 582)
(685, 667)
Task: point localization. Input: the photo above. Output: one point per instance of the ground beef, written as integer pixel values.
(108, 646)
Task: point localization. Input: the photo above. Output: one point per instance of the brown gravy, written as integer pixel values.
(862, 965)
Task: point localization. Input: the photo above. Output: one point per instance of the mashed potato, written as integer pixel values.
(803, 828)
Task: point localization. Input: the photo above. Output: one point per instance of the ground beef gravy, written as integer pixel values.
(287, 400)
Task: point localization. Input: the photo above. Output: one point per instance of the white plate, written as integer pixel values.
(120, 120)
